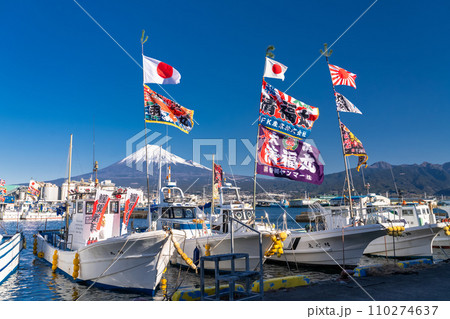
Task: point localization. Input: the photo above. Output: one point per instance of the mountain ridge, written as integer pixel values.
(433, 179)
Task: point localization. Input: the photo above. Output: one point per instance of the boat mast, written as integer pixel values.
(95, 163)
(68, 191)
(149, 215)
(212, 197)
(269, 53)
(326, 53)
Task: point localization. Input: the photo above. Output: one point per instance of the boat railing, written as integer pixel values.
(56, 238)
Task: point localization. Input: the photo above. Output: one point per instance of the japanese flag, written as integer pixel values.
(159, 72)
(274, 69)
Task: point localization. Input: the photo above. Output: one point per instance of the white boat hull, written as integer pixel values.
(10, 215)
(342, 246)
(247, 243)
(43, 216)
(415, 242)
(441, 240)
(10, 256)
(140, 266)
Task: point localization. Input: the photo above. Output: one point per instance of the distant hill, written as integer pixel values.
(432, 179)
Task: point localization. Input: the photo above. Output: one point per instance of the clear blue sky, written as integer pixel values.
(59, 70)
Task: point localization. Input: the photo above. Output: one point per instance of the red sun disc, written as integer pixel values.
(164, 70)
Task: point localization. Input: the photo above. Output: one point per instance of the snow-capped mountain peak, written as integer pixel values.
(155, 153)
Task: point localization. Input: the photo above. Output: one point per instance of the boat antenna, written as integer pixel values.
(395, 184)
(327, 53)
(95, 163)
(212, 189)
(366, 186)
(269, 54)
(68, 192)
(143, 40)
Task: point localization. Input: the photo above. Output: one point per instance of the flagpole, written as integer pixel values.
(66, 235)
(269, 50)
(149, 214)
(212, 196)
(256, 164)
(327, 53)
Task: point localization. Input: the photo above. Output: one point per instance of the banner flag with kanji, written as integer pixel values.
(280, 155)
(131, 200)
(353, 146)
(282, 113)
(344, 105)
(218, 177)
(159, 109)
(102, 198)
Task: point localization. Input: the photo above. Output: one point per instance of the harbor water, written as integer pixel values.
(34, 280)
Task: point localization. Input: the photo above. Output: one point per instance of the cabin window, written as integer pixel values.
(407, 212)
(115, 207)
(166, 213)
(188, 213)
(177, 212)
(89, 208)
(425, 211)
(238, 214)
(249, 214)
(80, 208)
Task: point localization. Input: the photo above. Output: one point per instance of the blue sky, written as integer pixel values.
(59, 71)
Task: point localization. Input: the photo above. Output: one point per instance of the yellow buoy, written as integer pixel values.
(282, 236)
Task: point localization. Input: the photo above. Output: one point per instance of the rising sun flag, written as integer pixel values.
(340, 76)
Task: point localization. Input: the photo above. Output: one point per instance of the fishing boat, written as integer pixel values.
(328, 242)
(177, 213)
(442, 213)
(91, 248)
(10, 248)
(14, 213)
(112, 261)
(416, 241)
(331, 247)
(42, 212)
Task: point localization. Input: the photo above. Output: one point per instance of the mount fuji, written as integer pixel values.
(131, 172)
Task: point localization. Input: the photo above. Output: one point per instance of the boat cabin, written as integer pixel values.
(230, 204)
(175, 212)
(411, 214)
(81, 218)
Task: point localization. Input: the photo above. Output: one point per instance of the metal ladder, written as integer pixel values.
(232, 276)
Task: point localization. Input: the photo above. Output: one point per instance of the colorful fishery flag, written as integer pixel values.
(339, 76)
(280, 155)
(159, 109)
(353, 146)
(218, 177)
(274, 69)
(131, 200)
(344, 105)
(159, 72)
(102, 198)
(33, 189)
(2, 190)
(282, 113)
(2, 182)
